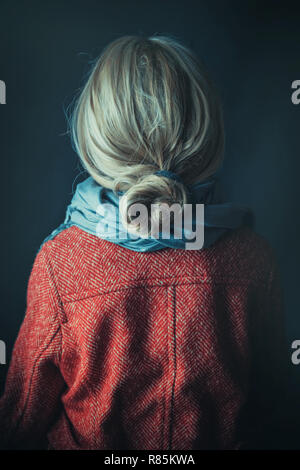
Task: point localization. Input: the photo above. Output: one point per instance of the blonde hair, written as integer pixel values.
(147, 106)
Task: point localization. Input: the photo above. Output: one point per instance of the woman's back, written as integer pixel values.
(128, 344)
(146, 350)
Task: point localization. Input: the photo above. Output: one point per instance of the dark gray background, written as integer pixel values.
(252, 50)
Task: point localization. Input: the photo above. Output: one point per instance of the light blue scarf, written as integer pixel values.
(85, 211)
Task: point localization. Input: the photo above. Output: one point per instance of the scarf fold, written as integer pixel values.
(95, 210)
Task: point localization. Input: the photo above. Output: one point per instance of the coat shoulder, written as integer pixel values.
(82, 261)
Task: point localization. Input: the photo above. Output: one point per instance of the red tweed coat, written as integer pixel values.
(164, 350)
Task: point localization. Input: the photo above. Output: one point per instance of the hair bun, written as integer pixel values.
(151, 191)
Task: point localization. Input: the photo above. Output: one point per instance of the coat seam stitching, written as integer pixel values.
(171, 422)
(151, 286)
